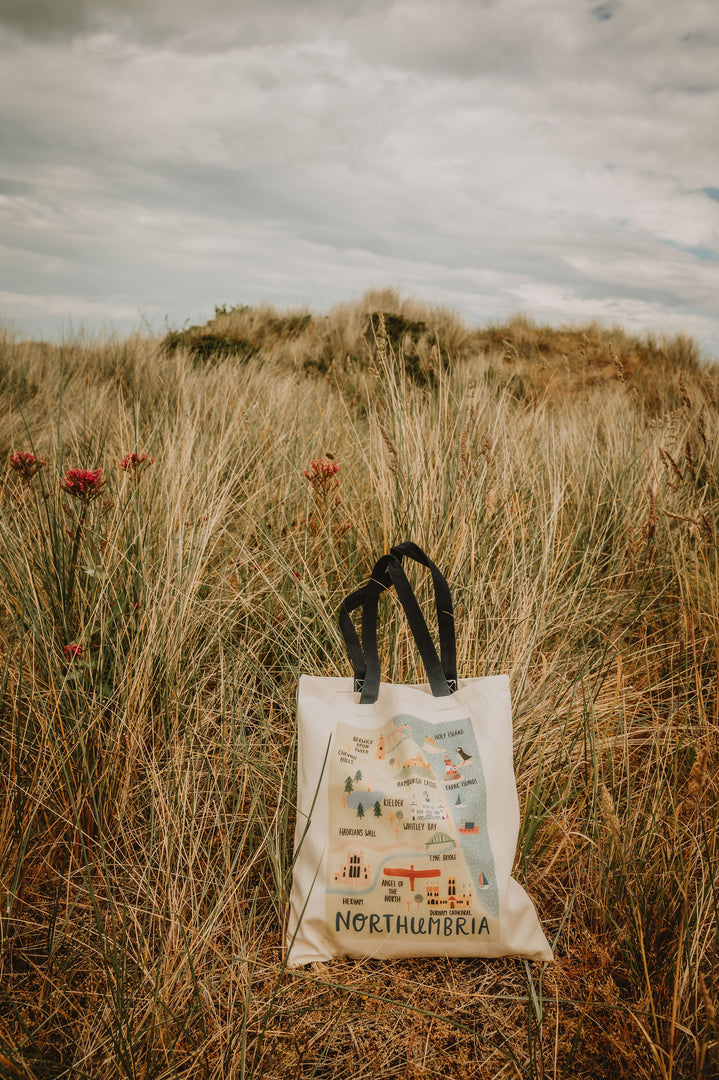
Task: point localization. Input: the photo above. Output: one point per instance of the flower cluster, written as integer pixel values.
(83, 484)
(135, 463)
(73, 652)
(26, 464)
(322, 474)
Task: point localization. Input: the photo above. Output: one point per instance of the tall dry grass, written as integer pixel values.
(148, 780)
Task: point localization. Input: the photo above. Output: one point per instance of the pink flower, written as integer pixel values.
(322, 474)
(26, 464)
(135, 463)
(83, 484)
(72, 652)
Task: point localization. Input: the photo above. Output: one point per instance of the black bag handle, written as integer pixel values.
(443, 603)
(388, 571)
(351, 603)
(420, 633)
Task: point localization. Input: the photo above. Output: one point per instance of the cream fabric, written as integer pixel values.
(407, 836)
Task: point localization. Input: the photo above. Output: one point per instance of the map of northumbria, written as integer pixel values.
(409, 854)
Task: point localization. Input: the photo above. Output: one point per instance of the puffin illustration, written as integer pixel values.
(466, 758)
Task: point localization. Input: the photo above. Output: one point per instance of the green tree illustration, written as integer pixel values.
(360, 810)
(377, 809)
(358, 776)
(348, 784)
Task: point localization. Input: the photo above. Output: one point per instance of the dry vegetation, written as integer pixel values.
(566, 482)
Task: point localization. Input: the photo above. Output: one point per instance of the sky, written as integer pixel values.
(556, 158)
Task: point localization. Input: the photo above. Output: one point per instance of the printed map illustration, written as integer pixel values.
(409, 853)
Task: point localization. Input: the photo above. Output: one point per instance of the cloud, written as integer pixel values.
(24, 305)
(558, 157)
(45, 19)
(185, 25)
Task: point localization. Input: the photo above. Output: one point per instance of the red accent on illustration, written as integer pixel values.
(411, 873)
(450, 770)
(468, 827)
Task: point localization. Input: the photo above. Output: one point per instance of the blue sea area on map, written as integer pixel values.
(454, 741)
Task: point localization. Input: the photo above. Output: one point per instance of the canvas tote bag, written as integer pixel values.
(407, 810)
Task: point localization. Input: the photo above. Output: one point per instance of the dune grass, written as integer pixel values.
(153, 626)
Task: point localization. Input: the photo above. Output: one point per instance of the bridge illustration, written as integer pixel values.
(440, 838)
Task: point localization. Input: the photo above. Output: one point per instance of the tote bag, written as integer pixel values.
(407, 809)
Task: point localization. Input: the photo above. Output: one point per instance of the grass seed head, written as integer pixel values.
(618, 365)
(707, 1002)
(649, 528)
(684, 392)
(486, 445)
(698, 775)
(606, 804)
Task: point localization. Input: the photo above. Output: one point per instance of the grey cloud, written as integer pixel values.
(12, 186)
(46, 19)
(603, 12)
(462, 149)
(211, 25)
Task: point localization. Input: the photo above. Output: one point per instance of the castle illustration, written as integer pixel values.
(417, 762)
(452, 899)
(426, 810)
(355, 868)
